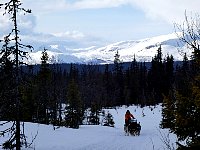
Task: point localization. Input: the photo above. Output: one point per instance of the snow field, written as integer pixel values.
(97, 137)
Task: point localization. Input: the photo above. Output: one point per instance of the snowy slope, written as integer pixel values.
(90, 137)
(143, 50)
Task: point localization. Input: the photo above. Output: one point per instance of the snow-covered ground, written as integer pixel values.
(97, 137)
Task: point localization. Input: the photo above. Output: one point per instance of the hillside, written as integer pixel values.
(143, 50)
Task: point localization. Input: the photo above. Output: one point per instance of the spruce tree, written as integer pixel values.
(42, 89)
(107, 87)
(156, 78)
(185, 117)
(134, 82)
(74, 107)
(94, 116)
(7, 82)
(15, 48)
(168, 74)
(118, 80)
(168, 111)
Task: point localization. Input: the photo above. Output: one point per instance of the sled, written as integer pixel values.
(133, 128)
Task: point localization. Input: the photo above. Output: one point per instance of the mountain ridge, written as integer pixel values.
(142, 50)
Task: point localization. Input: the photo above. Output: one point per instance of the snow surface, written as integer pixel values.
(97, 137)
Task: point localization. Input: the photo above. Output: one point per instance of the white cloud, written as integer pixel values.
(71, 39)
(77, 37)
(5, 23)
(26, 23)
(71, 34)
(168, 10)
(43, 6)
(93, 4)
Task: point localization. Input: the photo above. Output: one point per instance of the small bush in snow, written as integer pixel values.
(108, 119)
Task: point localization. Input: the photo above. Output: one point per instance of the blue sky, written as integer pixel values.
(119, 23)
(106, 21)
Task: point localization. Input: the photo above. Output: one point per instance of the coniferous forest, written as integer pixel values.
(39, 95)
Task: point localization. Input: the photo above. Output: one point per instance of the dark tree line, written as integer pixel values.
(88, 87)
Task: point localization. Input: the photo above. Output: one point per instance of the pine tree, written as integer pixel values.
(74, 107)
(107, 87)
(168, 111)
(94, 117)
(134, 82)
(156, 76)
(168, 74)
(57, 86)
(118, 81)
(7, 82)
(42, 89)
(27, 100)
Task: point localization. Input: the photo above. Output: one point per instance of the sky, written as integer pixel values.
(100, 21)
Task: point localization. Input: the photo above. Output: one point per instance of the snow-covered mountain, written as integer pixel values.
(143, 50)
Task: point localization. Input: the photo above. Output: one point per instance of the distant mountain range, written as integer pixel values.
(143, 50)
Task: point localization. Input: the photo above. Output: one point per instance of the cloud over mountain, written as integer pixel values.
(168, 10)
(26, 23)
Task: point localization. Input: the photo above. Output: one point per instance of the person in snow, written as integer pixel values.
(128, 117)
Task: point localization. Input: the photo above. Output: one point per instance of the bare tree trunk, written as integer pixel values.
(18, 145)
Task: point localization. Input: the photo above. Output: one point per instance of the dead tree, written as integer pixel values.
(189, 33)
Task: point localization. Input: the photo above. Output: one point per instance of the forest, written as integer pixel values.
(89, 86)
(40, 96)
